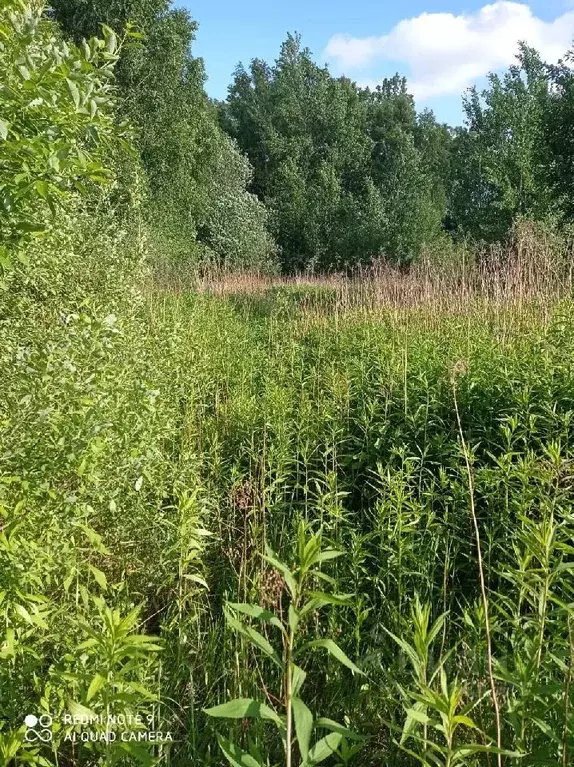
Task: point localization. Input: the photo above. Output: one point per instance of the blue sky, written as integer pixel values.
(442, 46)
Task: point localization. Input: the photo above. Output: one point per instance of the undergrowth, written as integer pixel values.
(155, 457)
(294, 526)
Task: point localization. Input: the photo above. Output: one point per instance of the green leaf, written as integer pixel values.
(42, 188)
(325, 556)
(334, 650)
(418, 716)
(74, 92)
(23, 258)
(298, 680)
(235, 756)
(319, 599)
(97, 178)
(3, 129)
(243, 708)
(254, 636)
(110, 38)
(324, 748)
(475, 748)
(88, 644)
(143, 641)
(77, 709)
(284, 570)
(7, 649)
(23, 613)
(330, 724)
(99, 577)
(465, 720)
(95, 686)
(28, 226)
(332, 599)
(303, 726)
(4, 257)
(254, 611)
(139, 752)
(415, 714)
(195, 578)
(407, 649)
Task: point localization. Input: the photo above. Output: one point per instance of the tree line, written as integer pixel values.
(301, 170)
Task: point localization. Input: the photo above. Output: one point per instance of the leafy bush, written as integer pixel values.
(58, 141)
(197, 207)
(86, 424)
(411, 467)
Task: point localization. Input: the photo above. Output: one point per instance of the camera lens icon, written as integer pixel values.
(38, 728)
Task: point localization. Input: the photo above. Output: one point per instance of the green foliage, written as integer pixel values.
(198, 206)
(82, 436)
(153, 445)
(349, 175)
(297, 724)
(504, 156)
(339, 168)
(557, 125)
(58, 141)
(346, 419)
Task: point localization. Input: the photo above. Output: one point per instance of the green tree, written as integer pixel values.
(434, 141)
(192, 169)
(62, 150)
(337, 166)
(500, 156)
(558, 125)
(402, 170)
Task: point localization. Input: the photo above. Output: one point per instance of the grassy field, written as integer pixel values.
(389, 474)
(278, 522)
(409, 439)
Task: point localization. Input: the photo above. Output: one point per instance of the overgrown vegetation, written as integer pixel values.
(258, 521)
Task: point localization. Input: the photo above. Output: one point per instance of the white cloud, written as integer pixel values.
(445, 53)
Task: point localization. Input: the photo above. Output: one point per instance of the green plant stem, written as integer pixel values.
(481, 577)
(289, 699)
(567, 686)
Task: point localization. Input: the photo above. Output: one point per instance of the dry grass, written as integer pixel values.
(533, 267)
